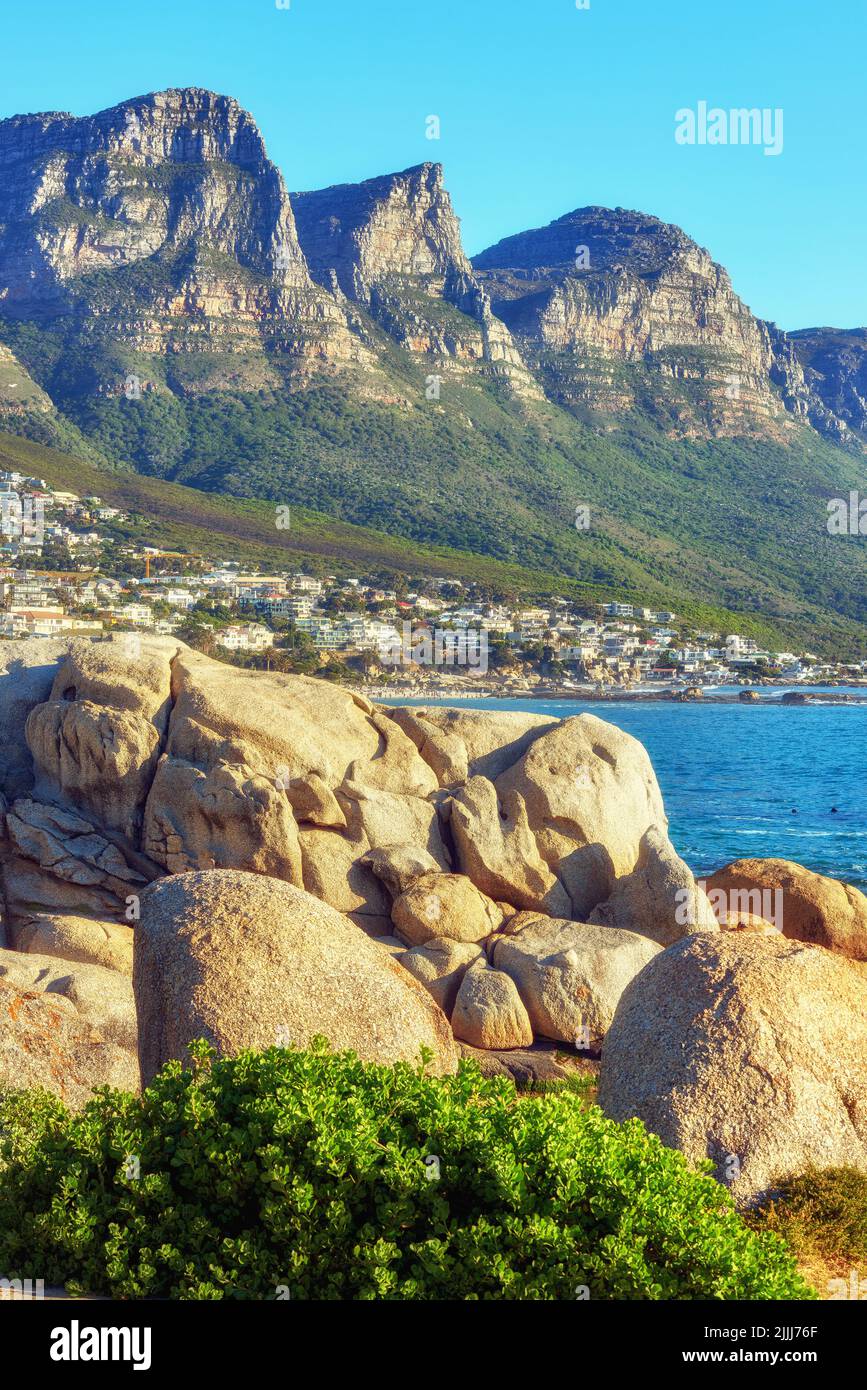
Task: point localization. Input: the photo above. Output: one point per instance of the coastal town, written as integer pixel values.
(65, 571)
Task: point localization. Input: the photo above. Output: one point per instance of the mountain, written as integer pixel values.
(166, 305)
(617, 311)
(393, 244)
(160, 226)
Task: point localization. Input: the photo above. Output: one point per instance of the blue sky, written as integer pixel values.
(543, 108)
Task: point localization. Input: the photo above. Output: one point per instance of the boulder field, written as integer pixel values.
(191, 850)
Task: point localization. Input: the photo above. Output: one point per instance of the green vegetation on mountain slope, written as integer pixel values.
(703, 526)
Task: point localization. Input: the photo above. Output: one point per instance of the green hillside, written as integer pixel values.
(177, 517)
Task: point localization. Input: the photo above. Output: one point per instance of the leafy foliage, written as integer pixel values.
(305, 1171)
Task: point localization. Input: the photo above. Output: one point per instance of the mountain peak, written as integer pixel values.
(613, 238)
(170, 177)
(401, 223)
(187, 125)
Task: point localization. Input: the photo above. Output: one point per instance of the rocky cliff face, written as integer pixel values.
(159, 225)
(157, 237)
(834, 363)
(598, 291)
(357, 234)
(393, 244)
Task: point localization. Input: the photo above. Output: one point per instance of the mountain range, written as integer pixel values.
(166, 305)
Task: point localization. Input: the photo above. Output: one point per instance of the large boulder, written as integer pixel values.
(87, 940)
(287, 727)
(495, 847)
(803, 905)
(444, 905)
(96, 741)
(46, 1042)
(570, 975)
(249, 962)
(461, 743)
(660, 898)
(248, 757)
(590, 794)
(396, 765)
(488, 1011)
(747, 1050)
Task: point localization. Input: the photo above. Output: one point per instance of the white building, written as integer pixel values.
(249, 637)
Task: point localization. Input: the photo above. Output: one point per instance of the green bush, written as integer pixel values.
(307, 1170)
(821, 1214)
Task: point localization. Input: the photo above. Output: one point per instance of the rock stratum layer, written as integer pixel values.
(189, 850)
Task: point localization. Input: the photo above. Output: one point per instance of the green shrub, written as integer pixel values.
(822, 1214)
(307, 1170)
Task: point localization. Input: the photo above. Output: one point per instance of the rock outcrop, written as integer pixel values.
(191, 850)
(496, 848)
(54, 859)
(247, 961)
(747, 1050)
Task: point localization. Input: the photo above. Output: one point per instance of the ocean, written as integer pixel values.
(741, 781)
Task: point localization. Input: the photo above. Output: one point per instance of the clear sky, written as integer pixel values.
(543, 108)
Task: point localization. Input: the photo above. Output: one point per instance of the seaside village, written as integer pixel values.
(66, 569)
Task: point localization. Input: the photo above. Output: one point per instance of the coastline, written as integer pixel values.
(786, 696)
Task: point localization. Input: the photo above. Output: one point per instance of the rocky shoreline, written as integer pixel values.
(768, 694)
(191, 850)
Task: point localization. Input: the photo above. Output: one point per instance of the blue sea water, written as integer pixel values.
(747, 780)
